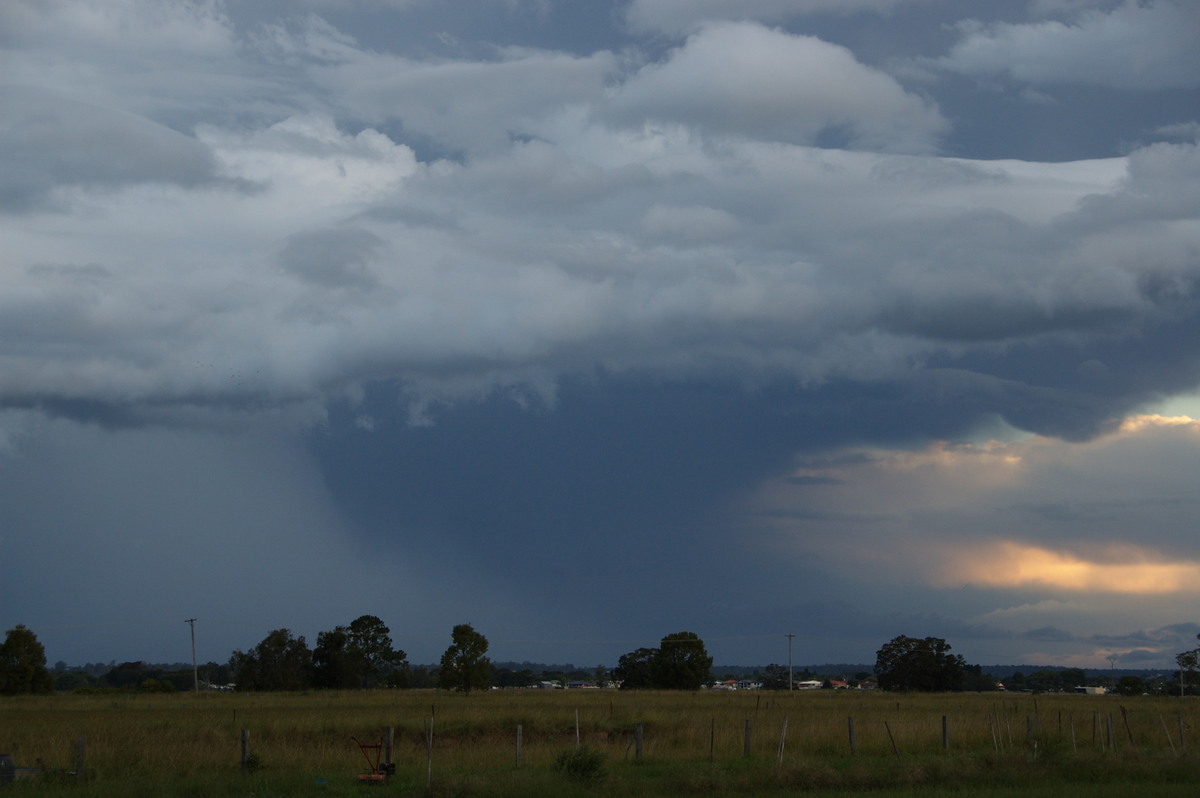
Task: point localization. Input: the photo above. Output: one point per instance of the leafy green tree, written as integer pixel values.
(372, 646)
(1130, 685)
(279, 662)
(975, 679)
(682, 663)
(358, 655)
(633, 670)
(23, 664)
(1070, 678)
(924, 664)
(334, 665)
(1189, 663)
(774, 677)
(464, 666)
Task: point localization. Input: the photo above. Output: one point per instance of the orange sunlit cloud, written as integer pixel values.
(1123, 569)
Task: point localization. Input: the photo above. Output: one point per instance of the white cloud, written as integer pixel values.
(688, 226)
(744, 79)
(1135, 46)
(47, 142)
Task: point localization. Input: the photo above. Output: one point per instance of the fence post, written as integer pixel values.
(895, 750)
(1167, 732)
(945, 733)
(637, 741)
(577, 740)
(853, 739)
(80, 746)
(429, 752)
(746, 740)
(245, 750)
(782, 740)
(389, 739)
(519, 730)
(1128, 730)
(712, 742)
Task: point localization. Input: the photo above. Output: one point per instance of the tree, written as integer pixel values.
(464, 665)
(279, 662)
(682, 663)
(372, 647)
(679, 663)
(1130, 685)
(633, 670)
(1189, 663)
(910, 663)
(23, 664)
(357, 655)
(333, 663)
(774, 677)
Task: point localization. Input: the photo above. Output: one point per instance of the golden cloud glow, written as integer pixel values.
(1120, 569)
(1138, 423)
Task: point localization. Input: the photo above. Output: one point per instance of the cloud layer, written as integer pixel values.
(518, 304)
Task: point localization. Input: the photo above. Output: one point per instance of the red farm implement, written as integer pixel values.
(379, 771)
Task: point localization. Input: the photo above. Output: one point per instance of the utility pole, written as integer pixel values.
(195, 671)
(789, 637)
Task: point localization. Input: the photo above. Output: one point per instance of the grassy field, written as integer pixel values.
(994, 745)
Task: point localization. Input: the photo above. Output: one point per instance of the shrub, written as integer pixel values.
(583, 764)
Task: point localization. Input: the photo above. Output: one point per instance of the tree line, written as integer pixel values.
(358, 656)
(361, 655)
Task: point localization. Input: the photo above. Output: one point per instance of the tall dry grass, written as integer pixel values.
(692, 742)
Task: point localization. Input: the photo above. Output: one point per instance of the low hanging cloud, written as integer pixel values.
(1087, 536)
(1109, 516)
(1135, 46)
(49, 144)
(745, 79)
(674, 16)
(1119, 568)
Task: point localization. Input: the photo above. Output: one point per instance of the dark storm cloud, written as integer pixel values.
(639, 316)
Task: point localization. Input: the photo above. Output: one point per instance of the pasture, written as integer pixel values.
(587, 742)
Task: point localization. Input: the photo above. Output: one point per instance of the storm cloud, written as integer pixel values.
(592, 325)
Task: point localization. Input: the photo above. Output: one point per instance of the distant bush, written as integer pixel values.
(582, 764)
(157, 686)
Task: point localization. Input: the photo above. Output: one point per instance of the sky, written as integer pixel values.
(587, 323)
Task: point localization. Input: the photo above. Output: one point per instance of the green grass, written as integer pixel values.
(190, 745)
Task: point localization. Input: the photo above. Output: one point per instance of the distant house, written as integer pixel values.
(839, 684)
(1091, 690)
(811, 684)
(582, 686)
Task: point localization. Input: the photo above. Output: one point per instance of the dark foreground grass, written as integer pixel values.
(694, 744)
